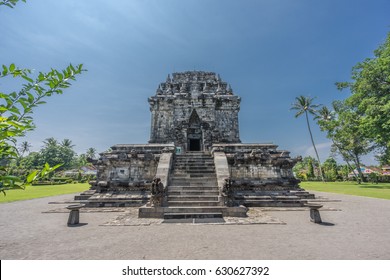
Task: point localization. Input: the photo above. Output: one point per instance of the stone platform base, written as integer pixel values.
(288, 198)
(110, 199)
(171, 212)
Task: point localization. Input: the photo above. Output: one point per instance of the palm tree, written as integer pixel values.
(50, 142)
(67, 143)
(91, 153)
(24, 148)
(304, 105)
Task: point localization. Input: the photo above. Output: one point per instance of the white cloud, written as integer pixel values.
(323, 150)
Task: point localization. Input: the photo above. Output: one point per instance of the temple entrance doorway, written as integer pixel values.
(194, 133)
(194, 145)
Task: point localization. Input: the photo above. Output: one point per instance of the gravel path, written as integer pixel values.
(359, 230)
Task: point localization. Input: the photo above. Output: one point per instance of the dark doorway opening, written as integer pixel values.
(194, 145)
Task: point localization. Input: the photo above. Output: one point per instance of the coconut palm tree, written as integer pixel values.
(304, 105)
(24, 148)
(67, 143)
(91, 152)
(50, 142)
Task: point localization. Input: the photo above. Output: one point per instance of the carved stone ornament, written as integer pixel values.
(167, 150)
(122, 156)
(134, 153)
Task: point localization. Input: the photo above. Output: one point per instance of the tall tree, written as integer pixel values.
(24, 148)
(327, 122)
(304, 105)
(91, 153)
(330, 169)
(51, 141)
(346, 131)
(370, 99)
(67, 143)
(54, 153)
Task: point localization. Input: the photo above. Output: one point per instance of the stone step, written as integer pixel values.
(193, 157)
(274, 203)
(187, 165)
(303, 194)
(82, 196)
(205, 164)
(195, 209)
(193, 186)
(194, 192)
(183, 189)
(152, 212)
(194, 179)
(171, 216)
(192, 203)
(193, 167)
(190, 165)
(194, 172)
(194, 162)
(187, 197)
(266, 197)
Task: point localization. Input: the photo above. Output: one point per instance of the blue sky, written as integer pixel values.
(269, 51)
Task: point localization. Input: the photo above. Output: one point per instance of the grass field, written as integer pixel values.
(381, 190)
(42, 191)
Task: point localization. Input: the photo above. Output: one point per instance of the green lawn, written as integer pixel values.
(381, 190)
(42, 191)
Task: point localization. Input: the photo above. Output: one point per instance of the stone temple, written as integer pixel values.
(194, 164)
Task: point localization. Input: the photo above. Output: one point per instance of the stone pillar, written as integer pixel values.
(74, 215)
(222, 172)
(315, 216)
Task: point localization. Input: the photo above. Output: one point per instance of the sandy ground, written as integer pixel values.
(359, 230)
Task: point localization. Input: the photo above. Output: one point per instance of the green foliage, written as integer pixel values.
(54, 154)
(330, 169)
(304, 169)
(12, 182)
(91, 153)
(10, 3)
(310, 168)
(17, 107)
(370, 99)
(344, 127)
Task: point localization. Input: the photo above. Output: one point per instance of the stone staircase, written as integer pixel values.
(193, 190)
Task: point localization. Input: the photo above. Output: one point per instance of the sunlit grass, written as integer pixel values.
(381, 190)
(42, 191)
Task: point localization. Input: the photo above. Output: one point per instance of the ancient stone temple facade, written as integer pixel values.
(194, 164)
(194, 110)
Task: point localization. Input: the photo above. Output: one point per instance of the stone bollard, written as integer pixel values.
(74, 215)
(315, 216)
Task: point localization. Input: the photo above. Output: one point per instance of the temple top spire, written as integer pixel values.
(189, 96)
(194, 83)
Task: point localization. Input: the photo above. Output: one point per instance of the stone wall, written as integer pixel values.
(130, 167)
(256, 166)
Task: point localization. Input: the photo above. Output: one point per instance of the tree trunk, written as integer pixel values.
(314, 146)
(358, 168)
(345, 159)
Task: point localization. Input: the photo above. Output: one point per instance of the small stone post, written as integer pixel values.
(74, 215)
(315, 216)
